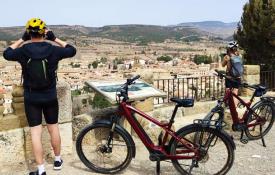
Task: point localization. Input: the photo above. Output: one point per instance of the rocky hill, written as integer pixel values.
(224, 30)
(135, 33)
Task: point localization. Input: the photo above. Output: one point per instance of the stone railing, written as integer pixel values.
(15, 140)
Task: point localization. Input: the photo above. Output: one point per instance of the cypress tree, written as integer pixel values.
(256, 33)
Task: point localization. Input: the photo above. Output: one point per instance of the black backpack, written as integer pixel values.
(39, 77)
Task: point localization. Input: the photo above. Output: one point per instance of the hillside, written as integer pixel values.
(146, 33)
(135, 33)
(224, 30)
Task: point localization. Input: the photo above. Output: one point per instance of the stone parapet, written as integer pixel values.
(64, 102)
(15, 141)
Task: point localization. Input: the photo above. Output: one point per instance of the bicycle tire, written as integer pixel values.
(91, 165)
(260, 106)
(195, 128)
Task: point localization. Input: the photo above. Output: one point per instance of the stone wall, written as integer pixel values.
(251, 76)
(15, 140)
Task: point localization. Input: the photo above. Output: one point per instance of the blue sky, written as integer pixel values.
(107, 12)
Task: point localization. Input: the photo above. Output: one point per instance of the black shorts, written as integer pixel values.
(236, 83)
(34, 111)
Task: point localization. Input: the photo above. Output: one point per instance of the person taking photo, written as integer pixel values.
(39, 60)
(234, 68)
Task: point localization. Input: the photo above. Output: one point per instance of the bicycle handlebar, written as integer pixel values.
(124, 87)
(131, 80)
(222, 74)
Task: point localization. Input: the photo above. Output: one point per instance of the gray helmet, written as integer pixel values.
(232, 44)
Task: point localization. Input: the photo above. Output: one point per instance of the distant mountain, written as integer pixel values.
(129, 33)
(146, 33)
(219, 28)
(135, 33)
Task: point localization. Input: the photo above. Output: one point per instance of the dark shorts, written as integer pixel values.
(233, 84)
(34, 112)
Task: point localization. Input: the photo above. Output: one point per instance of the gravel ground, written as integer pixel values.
(251, 158)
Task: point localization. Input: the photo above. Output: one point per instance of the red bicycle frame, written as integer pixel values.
(229, 97)
(127, 111)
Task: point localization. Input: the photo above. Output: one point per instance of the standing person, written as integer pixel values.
(234, 68)
(39, 60)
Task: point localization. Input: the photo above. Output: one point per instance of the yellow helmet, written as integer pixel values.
(36, 25)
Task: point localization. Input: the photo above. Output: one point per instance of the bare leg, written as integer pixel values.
(55, 138)
(36, 134)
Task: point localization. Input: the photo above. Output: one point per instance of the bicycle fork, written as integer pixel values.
(111, 133)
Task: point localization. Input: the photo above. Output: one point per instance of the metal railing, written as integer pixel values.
(199, 88)
(267, 78)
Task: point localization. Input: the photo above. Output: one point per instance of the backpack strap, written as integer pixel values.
(21, 81)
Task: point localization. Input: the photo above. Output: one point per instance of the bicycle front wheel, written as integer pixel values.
(102, 154)
(216, 151)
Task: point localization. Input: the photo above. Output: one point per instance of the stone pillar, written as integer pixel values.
(18, 105)
(1, 105)
(251, 76)
(18, 100)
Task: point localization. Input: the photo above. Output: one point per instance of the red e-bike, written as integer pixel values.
(256, 121)
(106, 147)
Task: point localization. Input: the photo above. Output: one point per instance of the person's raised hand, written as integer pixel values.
(26, 36)
(50, 35)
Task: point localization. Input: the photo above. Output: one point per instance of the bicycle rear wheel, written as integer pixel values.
(265, 110)
(216, 151)
(95, 152)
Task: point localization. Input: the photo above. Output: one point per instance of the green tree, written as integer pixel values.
(198, 59)
(94, 64)
(76, 65)
(76, 92)
(87, 89)
(256, 33)
(164, 58)
(103, 60)
(118, 60)
(100, 102)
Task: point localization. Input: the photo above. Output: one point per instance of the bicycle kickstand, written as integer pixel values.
(262, 137)
(242, 139)
(158, 159)
(158, 167)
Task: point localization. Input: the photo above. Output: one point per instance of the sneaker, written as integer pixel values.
(57, 165)
(36, 173)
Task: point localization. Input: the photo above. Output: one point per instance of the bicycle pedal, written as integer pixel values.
(244, 141)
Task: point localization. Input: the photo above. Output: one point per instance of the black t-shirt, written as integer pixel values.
(38, 50)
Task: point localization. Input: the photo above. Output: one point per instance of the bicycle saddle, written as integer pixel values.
(183, 102)
(260, 90)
